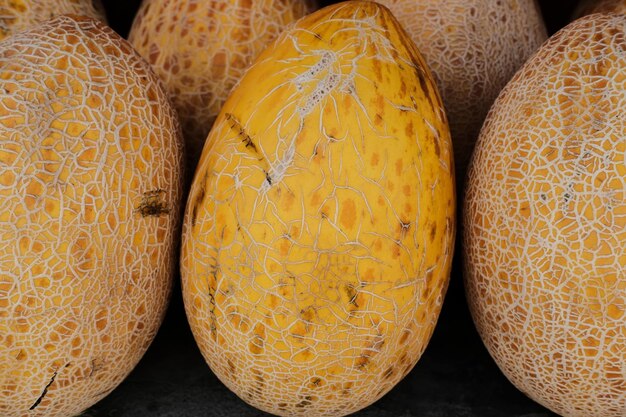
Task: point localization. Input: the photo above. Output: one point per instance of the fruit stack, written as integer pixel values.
(307, 177)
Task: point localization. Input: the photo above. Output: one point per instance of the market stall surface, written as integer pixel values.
(455, 377)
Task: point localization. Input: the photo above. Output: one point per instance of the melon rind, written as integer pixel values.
(90, 190)
(545, 223)
(318, 232)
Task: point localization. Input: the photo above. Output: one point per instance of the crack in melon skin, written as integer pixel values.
(473, 48)
(17, 15)
(90, 158)
(318, 233)
(545, 223)
(201, 48)
(599, 6)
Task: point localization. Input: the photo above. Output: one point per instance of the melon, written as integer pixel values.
(318, 233)
(586, 7)
(200, 49)
(17, 15)
(473, 47)
(90, 189)
(545, 223)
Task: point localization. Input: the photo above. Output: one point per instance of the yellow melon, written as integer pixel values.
(545, 223)
(90, 188)
(16, 15)
(318, 233)
(473, 47)
(200, 49)
(586, 7)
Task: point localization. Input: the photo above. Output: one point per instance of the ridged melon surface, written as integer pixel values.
(90, 189)
(473, 48)
(17, 15)
(545, 223)
(200, 49)
(318, 233)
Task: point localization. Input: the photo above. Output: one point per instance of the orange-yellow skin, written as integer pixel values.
(201, 48)
(473, 47)
(318, 233)
(545, 223)
(586, 7)
(17, 15)
(90, 188)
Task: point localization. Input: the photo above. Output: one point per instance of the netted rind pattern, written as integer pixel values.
(473, 47)
(200, 49)
(545, 223)
(17, 15)
(318, 232)
(90, 189)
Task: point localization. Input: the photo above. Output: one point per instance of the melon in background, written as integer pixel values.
(319, 229)
(545, 223)
(586, 7)
(17, 15)
(473, 47)
(200, 49)
(90, 189)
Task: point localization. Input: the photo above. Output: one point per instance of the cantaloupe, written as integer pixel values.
(90, 188)
(586, 7)
(319, 229)
(473, 47)
(16, 15)
(200, 49)
(545, 223)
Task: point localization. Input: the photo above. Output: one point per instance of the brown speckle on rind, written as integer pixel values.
(153, 204)
(231, 367)
(305, 402)
(424, 85)
(405, 337)
(433, 231)
(259, 381)
(436, 147)
(212, 317)
(245, 138)
(197, 203)
(351, 294)
(365, 358)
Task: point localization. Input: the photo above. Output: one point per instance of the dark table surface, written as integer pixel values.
(455, 377)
